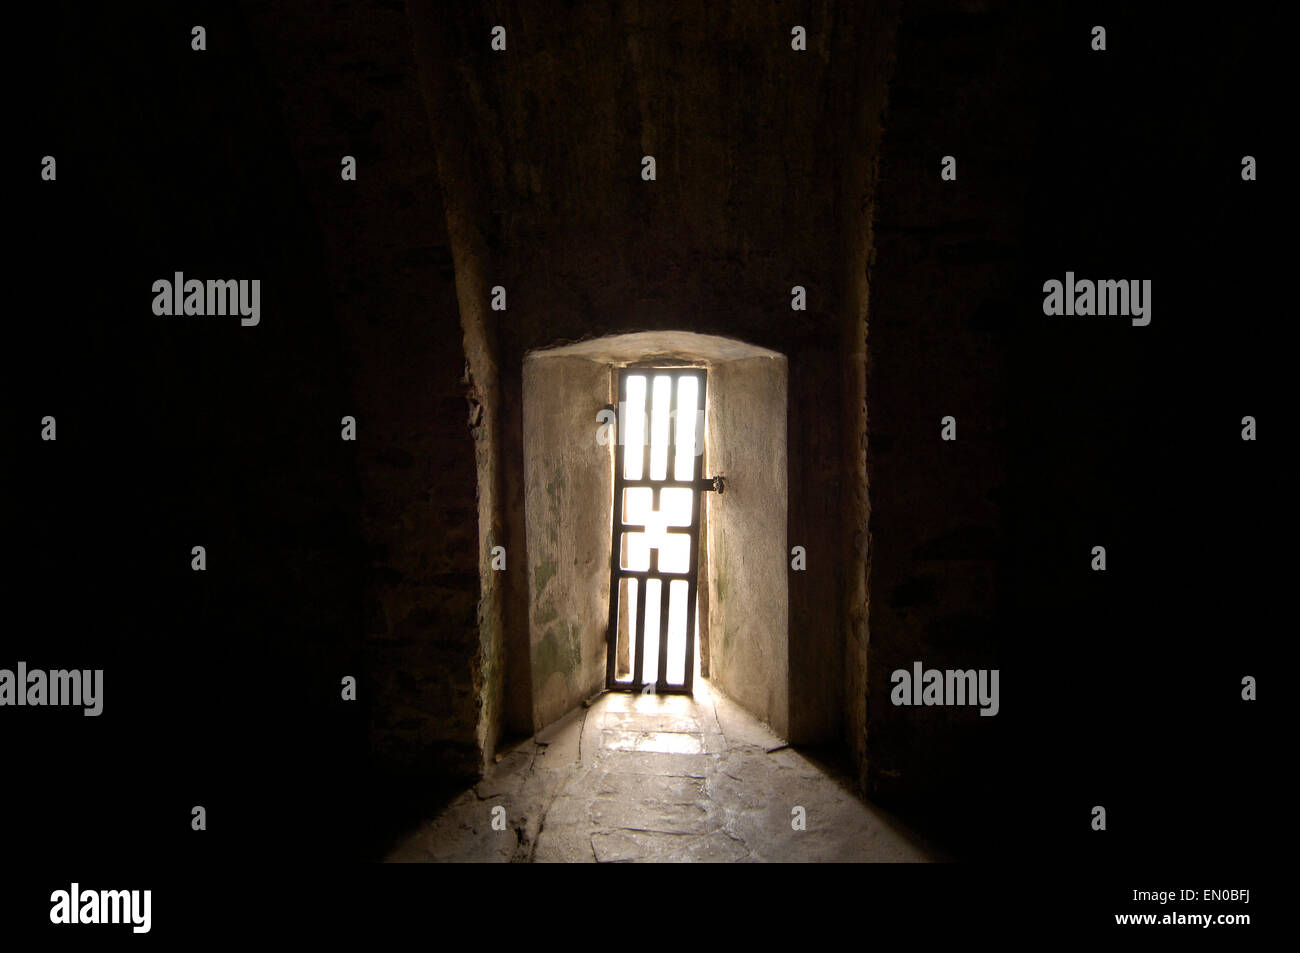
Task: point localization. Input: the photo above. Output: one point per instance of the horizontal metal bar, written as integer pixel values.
(658, 689)
(662, 574)
(668, 484)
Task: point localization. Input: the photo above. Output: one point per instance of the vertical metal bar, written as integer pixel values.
(638, 636)
(638, 667)
(665, 586)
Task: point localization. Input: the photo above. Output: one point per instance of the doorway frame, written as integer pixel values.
(567, 473)
(617, 573)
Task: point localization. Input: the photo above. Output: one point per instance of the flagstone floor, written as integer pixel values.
(660, 778)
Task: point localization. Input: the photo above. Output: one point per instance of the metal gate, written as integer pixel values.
(654, 566)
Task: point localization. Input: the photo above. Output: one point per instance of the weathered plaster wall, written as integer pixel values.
(748, 562)
(568, 483)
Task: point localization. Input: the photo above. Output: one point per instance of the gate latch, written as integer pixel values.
(715, 484)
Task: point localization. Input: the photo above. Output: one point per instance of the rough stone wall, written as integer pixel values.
(941, 296)
(550, 136)
(863, 99)
(347, 85)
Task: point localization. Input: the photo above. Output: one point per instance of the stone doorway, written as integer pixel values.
(743, 585)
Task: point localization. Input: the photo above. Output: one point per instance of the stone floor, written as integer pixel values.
(660, 778)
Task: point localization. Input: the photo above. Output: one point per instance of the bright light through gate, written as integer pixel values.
(654, 567)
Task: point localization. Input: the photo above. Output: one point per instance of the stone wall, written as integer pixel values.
(749, 561)
(944, 288)
(569, 482)
(346, 85)
(763, 179)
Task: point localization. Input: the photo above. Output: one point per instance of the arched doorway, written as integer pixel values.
(569, 510)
